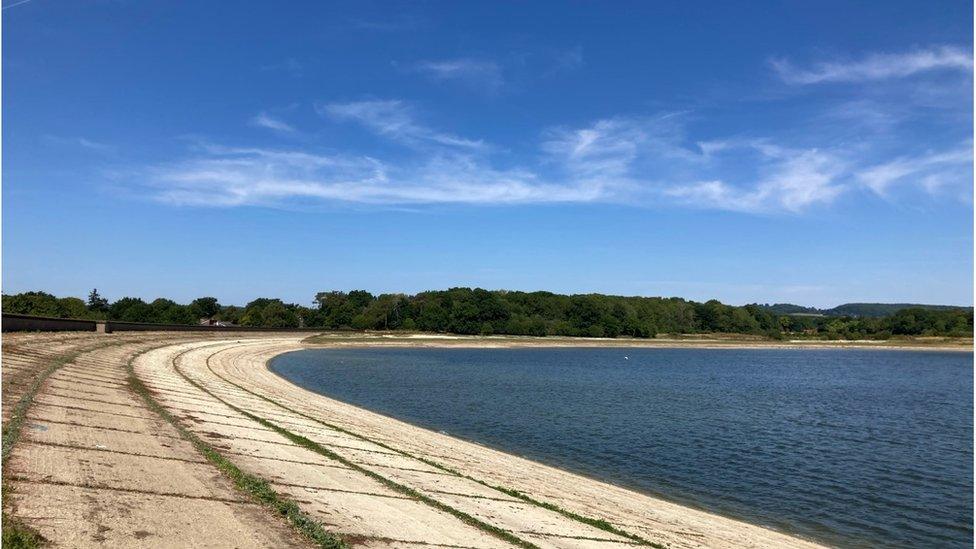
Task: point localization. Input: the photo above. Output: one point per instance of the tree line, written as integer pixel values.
(478, 311)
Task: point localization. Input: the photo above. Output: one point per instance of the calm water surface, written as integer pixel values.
(853, 448)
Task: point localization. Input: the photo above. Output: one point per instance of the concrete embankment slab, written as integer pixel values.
(77, 516)
(649, 518)
(347, 500)
(487, 505)
(95, 467)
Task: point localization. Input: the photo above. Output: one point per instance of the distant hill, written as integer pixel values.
(791, 309)
(884, 309)
(870, 310)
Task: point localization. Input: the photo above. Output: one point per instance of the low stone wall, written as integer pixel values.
(118, 326)
(27, 323)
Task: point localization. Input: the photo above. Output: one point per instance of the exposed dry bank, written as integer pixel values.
(86, 463)
(98, 464)
(698, 341)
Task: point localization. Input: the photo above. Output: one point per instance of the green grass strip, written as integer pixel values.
(255, 486)
(17, 535)
(406, 490)
(596, 523)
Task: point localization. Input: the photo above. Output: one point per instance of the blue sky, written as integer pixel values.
(815, 153)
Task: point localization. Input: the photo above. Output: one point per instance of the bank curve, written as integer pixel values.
(172, 437)
(542, 505)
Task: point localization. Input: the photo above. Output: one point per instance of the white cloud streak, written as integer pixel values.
(264, 120)
(877, 66)
(932, 171)
(83, 142)
(642, 161)
(254, 176)
(8, 6)
(611, 147)
(486, 75)
(394, 120)
(794, 181)
(96, 146)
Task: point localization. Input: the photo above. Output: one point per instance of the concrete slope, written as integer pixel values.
(475, 480)
(94, 467)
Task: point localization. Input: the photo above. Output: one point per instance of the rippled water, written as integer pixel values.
(854, 448)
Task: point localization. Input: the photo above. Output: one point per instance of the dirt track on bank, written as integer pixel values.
(97, 465)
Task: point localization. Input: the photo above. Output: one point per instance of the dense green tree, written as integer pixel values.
(131, 309)
(277, 315)
(204, 307)
(96, 302)
(479, 311)
(72, 307)
(386, 312)
(433, 317)
(270, 313)
(230, 313)
(339, 309)
(32, 303)
(360, 299)
(165, 311)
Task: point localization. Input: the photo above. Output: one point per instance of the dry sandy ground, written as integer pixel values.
(96, 467)
(702, 341)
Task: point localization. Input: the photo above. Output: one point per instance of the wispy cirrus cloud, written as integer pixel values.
(791, 180)
(650, 160)
(13, 4)
(605, 161)
(613, 146)
(795, 179)
(932, 170)
(265, 120)
(83, 142)
(96, 146)
(396, 120)
(877, 66)
(608, 147)
(640, 161)
(483, 74)
(228, 176)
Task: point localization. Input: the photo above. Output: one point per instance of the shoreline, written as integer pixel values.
(481, 342)
(653, 502)
(172, 421)
(386, 339)
(686, 503)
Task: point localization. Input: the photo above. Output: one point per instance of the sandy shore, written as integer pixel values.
(355, 339)
(100, 464)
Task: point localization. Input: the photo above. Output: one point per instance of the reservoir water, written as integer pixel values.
(855, 448)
